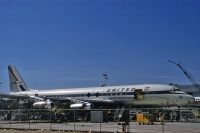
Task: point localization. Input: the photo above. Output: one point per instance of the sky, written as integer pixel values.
(71, 43)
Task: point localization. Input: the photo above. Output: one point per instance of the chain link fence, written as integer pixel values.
(104, 120)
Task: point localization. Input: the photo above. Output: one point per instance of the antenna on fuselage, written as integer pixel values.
(105, 78)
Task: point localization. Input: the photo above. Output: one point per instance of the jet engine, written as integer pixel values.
(43, 104)
(81, 106)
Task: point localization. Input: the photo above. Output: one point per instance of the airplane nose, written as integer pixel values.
(190, 99)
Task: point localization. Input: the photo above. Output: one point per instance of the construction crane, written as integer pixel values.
(187, 74)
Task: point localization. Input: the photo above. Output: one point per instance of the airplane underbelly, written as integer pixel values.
(154, 99)
(149, 99)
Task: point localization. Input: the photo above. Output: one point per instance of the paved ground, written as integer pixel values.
(101, 127)
(20, 131)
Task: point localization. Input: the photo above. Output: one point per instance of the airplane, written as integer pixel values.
(85, 98)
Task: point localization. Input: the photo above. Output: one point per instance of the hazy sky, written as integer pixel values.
(63, 43)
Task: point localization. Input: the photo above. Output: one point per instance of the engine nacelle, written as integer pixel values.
(88, 106)
(81, 106)
(43, 104)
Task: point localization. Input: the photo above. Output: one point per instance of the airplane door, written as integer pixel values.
(138, 94)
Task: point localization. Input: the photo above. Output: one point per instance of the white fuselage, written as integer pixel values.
(152, 94)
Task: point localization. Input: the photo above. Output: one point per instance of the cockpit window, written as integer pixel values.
(176, 89)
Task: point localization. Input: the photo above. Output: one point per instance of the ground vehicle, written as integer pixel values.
(145, 119)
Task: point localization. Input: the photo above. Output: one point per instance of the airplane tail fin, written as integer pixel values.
(17, 84)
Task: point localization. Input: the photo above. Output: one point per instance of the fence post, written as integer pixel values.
(50, 120)
(29, 124)
(10, 118)
(162, 127)
(74, 121)
(100, 120)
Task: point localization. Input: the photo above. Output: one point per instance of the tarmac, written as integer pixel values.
(111, 127)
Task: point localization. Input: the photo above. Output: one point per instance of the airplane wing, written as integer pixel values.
(101, 101)
(3, 95)
(81, 103)
(21, 97)
(74, 102)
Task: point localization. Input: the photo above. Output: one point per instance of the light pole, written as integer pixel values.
(105, 77)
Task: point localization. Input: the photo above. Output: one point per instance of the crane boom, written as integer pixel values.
(187, 74)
